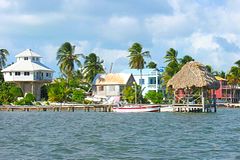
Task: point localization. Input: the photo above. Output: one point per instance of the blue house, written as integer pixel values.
(151, 78)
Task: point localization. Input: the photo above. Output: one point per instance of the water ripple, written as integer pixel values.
(98, 135)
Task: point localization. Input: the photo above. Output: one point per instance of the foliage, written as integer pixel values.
(185, 60)
(58, 91)
(209, 68)
(137, 56)
(172, 65)
(67, 59)
(87, 101)
(27, 100)
(78, 96)
(92, 66)
(129, 94)
(221, 74)
(154, 97)
(38, 104)
(3, 58)
(9, 92)
(152, 65)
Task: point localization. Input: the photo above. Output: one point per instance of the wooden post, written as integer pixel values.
(214, 101)
(203, 100)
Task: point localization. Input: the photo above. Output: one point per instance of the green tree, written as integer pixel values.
(67, 59)
(221, 74)
(209, 69)
(185, 60)
(59, 91)
(9, 93)
(78, 95)
(154, 97)
(133, 94)
(152, 65)
(92, 66)
(172, 66)
(3, 59)
(233, 78)
(137, 57)
(129, 94)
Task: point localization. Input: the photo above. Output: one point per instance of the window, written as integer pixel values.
(25, 58)
(26, 73)
(111, 88)
(100, 88)
(33, 58)
(152, 80)
(37, 59)
(10, 73)
(141, 81)
(17, 73)
(46, 74)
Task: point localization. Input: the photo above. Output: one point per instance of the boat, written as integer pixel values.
(166, 109)
(137, 108)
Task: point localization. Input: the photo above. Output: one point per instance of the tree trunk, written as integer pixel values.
(140, 83)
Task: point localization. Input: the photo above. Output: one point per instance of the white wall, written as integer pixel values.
(22, 77)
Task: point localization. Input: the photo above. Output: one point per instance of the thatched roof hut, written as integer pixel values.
(193, 74)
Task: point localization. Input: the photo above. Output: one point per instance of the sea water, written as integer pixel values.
(101, 135)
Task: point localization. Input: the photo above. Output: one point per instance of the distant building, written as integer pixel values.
(151, 78)
(112, 84)
(28, 73)
(226, 92)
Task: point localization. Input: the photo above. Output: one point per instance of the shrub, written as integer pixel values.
(29, 98)
(78, 96)
(9, 92)
(154, 97)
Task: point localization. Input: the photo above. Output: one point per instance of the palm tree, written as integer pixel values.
(92, 66)
(152, 65)
(233, 78)
(137, 58)
(173, 65)
(185, 60)
(209, 69)
(3, 58)
(221, 74)
(238, 63)
(67, 59)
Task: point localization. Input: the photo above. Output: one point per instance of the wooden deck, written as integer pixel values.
(192, 108)
(59, 108)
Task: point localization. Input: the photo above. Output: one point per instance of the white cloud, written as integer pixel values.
(201, 41)
(110, 55)
(4, 4)
(120, 27)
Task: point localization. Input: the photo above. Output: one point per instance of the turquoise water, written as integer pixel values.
(99, 135)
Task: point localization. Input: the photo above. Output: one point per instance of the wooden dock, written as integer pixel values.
(59, 108)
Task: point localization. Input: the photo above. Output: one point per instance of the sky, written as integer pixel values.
(207, 30)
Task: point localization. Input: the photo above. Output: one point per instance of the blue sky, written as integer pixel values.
(209, 31)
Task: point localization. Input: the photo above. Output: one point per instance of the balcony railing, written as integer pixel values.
(230, 87)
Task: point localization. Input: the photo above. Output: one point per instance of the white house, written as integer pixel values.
(111, 84)
(28, 73)
(151, 78)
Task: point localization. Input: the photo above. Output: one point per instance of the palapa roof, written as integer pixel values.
(193, 74)
(111, 79)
